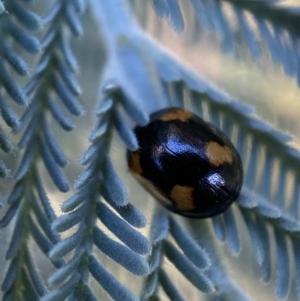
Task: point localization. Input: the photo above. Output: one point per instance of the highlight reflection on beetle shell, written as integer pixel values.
(187, 164)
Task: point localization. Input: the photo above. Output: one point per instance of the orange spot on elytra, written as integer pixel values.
(183, 197)
(218, 154)
(135, 163)
(176, 114)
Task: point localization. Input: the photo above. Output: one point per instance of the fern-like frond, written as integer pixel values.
(260, 26)
(86, 207)
(16, 22)
(28, 204)
(270, 204)
(267, 145)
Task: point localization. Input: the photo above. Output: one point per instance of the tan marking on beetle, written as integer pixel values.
(176, 114)
(183, 197)
(135, 163)
(218, 154)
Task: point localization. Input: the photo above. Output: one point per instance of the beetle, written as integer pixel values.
(187, 164)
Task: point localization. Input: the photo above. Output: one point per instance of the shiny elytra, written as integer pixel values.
(187, 164)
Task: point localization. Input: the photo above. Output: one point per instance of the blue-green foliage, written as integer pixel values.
(137, 78)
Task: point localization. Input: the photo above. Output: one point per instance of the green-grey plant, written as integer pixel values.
(38, 70)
